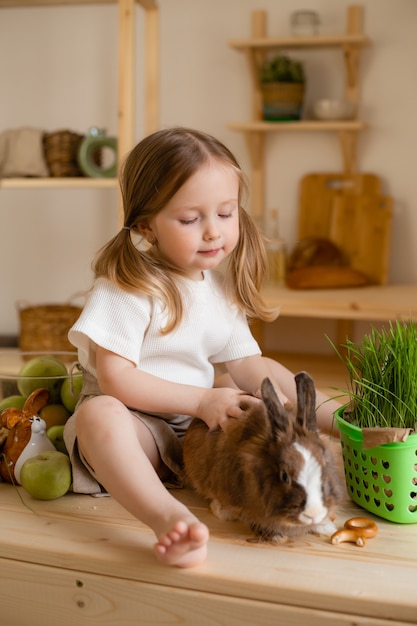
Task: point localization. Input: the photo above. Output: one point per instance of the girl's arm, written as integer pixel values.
(120, 378)
(248, 373)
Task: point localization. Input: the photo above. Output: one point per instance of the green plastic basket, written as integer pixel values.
(383, 479)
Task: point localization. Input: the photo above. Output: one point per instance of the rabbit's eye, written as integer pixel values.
(284, 477)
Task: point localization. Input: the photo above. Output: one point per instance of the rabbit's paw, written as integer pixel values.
(226, 514)
(326, 527)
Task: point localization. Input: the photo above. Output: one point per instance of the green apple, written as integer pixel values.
(12, 402)
(70, 391)
(54, 414)
(46, 476)
(42, 371)
(56, 435)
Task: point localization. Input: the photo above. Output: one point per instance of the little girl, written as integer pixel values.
(160, 316)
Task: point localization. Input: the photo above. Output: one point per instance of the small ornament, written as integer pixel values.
(27, 435)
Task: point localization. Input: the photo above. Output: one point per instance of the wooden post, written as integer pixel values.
(354, 19)
(347, 141)
(256, 140)
(256, 58)
(126, 104)
(152, 70)
(354, 27)
(127, 75)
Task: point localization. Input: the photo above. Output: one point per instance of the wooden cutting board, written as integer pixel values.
(350, 211)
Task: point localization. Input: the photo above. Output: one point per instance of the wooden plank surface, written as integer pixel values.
(83, 599)
(83, 536)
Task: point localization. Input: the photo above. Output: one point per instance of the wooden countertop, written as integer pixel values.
(379, 303)
(84, 560)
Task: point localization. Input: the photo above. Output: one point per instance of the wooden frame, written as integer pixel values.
(255, 50)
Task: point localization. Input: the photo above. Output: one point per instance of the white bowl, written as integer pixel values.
(333, 109)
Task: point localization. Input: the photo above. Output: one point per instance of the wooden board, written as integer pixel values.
(350, 211)
(316, 198)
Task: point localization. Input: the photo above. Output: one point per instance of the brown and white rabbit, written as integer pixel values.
(267, 469)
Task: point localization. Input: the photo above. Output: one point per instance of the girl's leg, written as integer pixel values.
(123, 454)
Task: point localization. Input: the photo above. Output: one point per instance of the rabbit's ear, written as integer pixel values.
(277, 414)
(306, 401)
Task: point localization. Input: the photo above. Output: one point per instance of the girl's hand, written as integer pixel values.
(220, 404)
(249, 372)
(281, 395)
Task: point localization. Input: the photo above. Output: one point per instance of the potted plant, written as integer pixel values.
(378, 426)
(283, 84)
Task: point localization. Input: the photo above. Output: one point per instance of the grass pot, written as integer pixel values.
(382, 479)
(282, 102)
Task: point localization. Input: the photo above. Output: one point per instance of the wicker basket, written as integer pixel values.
(45, 327)
(60, 150)
(383, 479)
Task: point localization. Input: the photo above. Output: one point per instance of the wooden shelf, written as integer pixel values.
(13, 4)
(294, 127)
(376, 303)
(126, 32)
(316, 41)
(59, 183)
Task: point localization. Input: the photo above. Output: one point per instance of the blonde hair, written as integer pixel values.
(151, 175)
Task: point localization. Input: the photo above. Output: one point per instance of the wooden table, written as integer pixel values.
(83, 561)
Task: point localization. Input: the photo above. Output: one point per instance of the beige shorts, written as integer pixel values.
(168, 431)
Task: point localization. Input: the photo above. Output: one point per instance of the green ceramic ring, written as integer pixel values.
(86, 151)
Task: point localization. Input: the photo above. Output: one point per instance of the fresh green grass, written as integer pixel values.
(382, 374)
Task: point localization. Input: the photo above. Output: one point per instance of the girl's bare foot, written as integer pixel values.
(185, 545)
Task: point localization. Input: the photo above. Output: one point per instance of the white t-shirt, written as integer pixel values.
(213, 330)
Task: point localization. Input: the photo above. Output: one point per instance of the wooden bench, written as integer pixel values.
(83, 560)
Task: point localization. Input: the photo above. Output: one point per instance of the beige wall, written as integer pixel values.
(58, 69)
